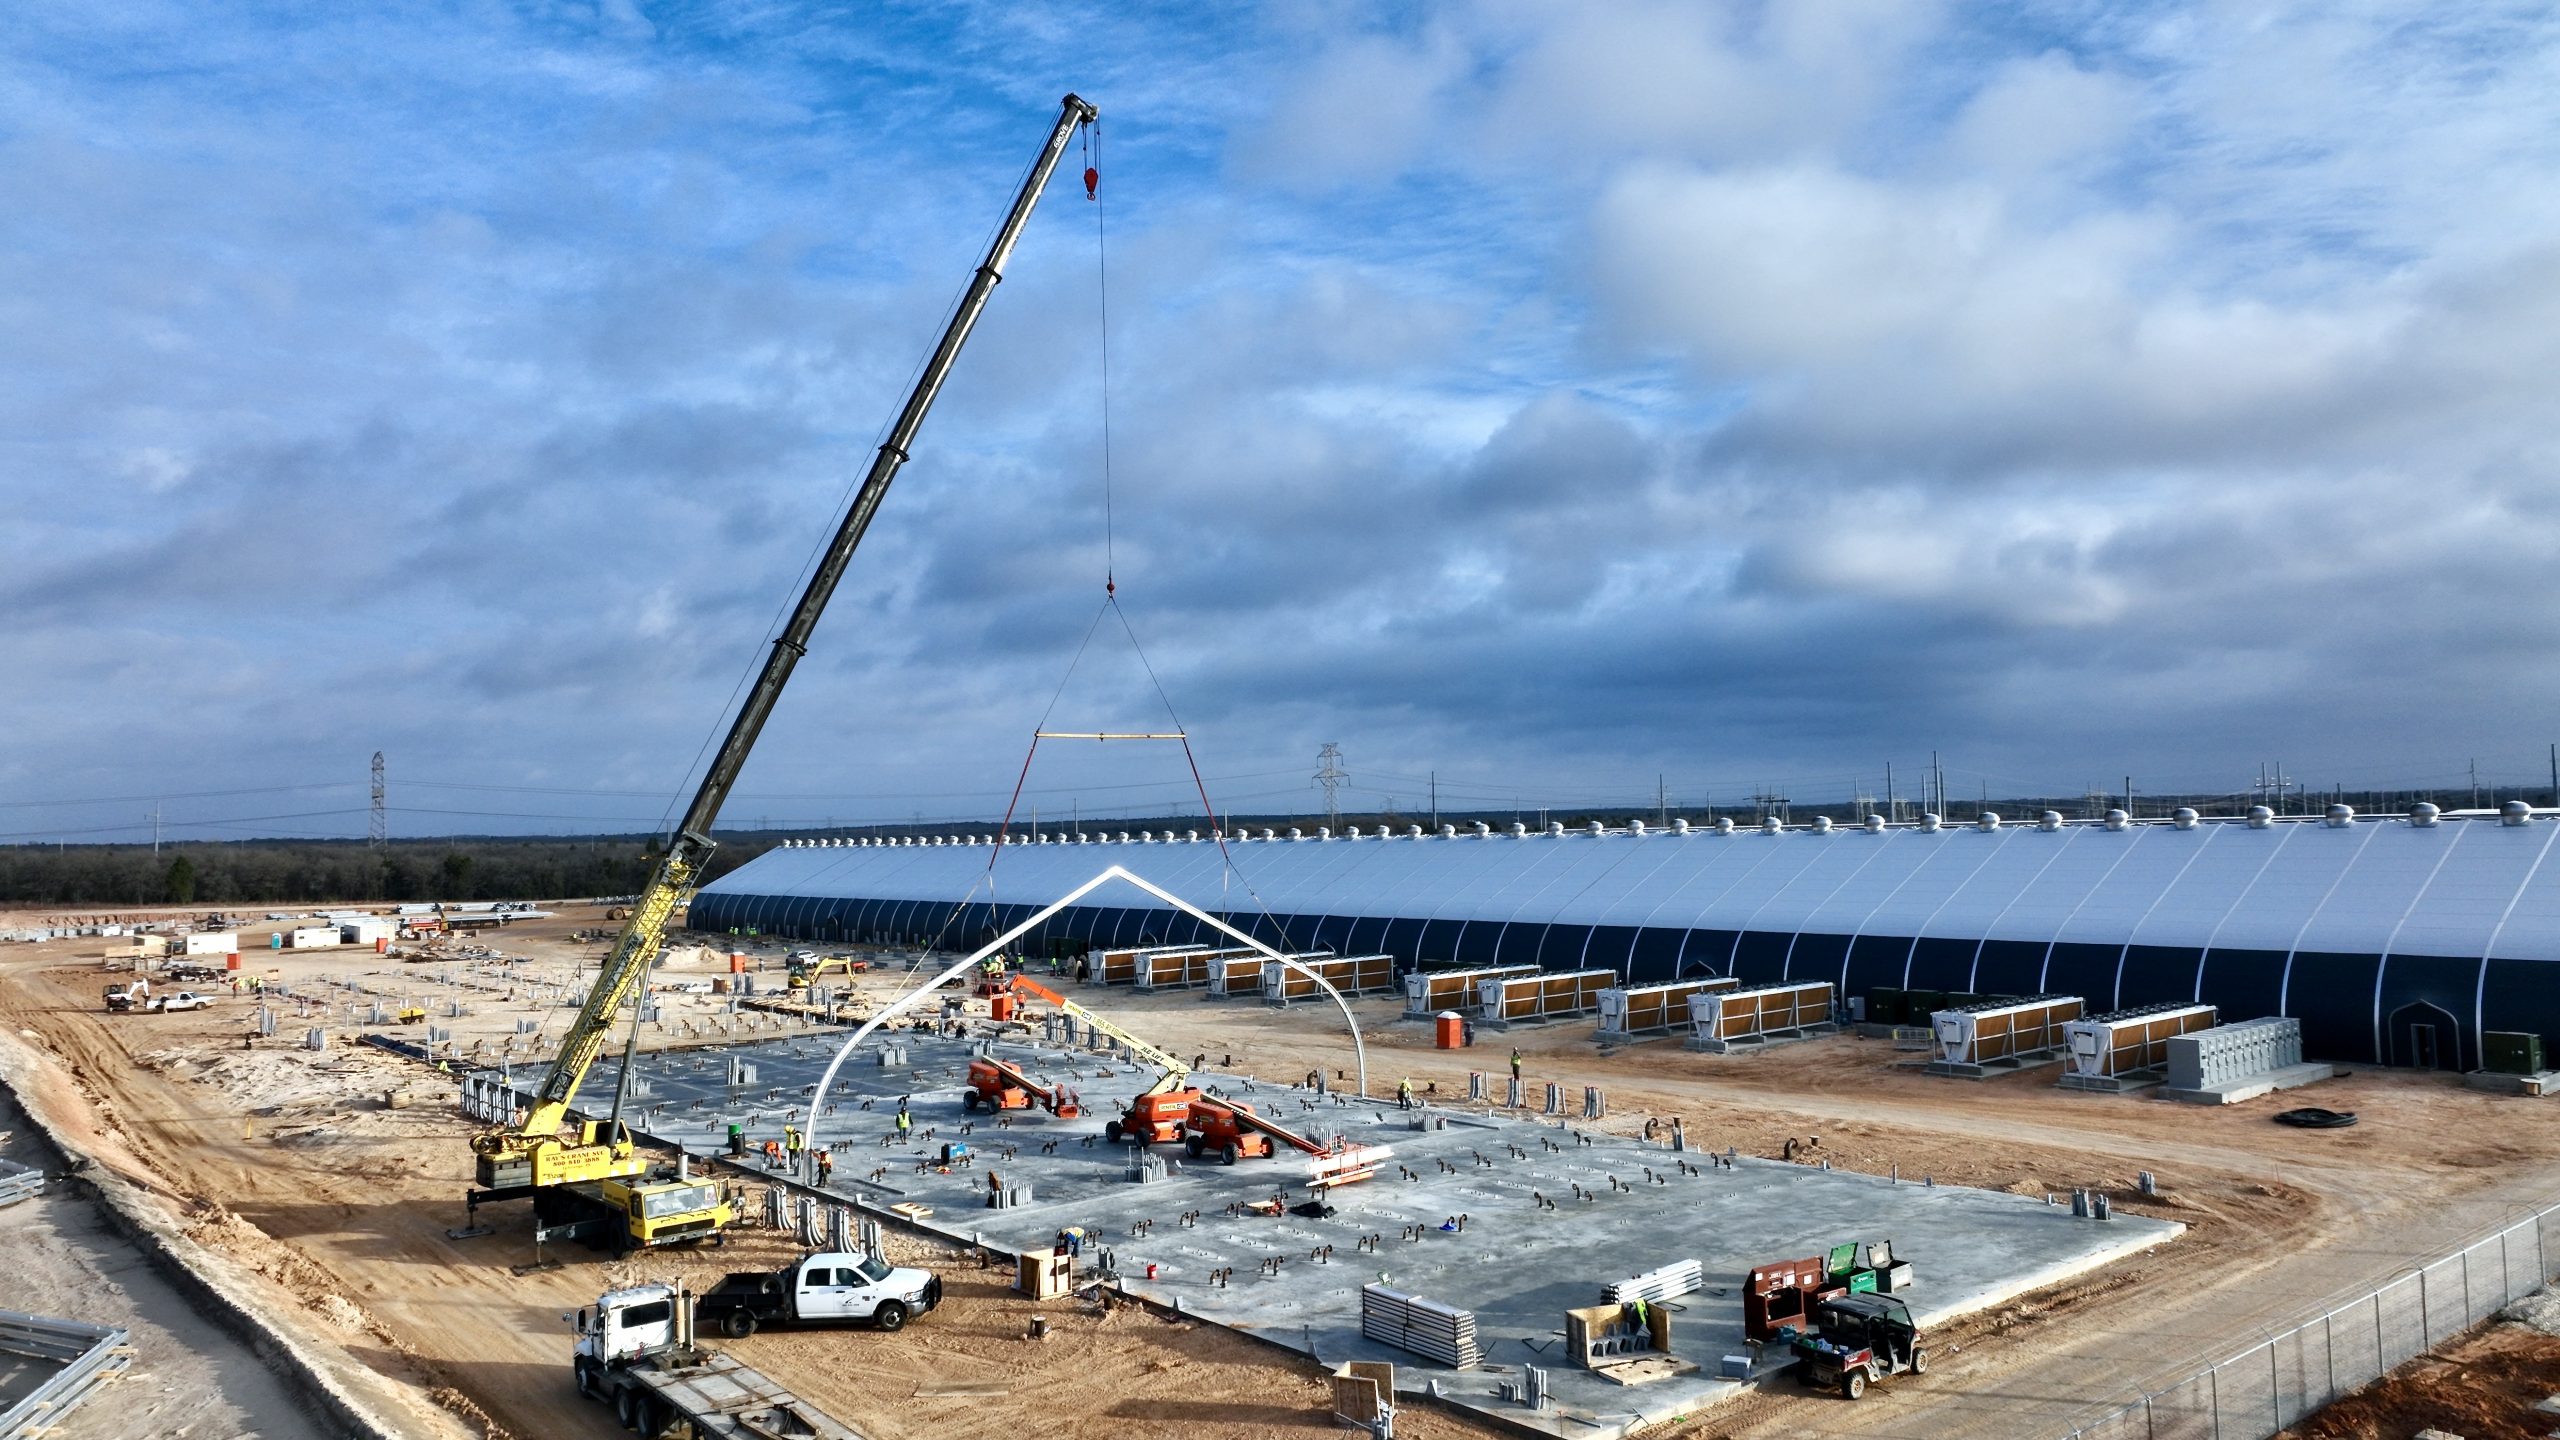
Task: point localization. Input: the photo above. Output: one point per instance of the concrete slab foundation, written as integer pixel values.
(2289, 1078)
(2545, 1083)
(1514, 1218)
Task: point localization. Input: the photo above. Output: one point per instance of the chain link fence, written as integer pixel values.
(2260, 1391)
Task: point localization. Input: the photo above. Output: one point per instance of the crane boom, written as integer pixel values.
(1176, 1070)
(532, 1152)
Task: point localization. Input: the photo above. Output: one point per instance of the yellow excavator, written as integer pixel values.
(579, 1174)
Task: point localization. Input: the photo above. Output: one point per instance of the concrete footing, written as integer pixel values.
(1991, 1069)
(2289, 1078)
(2545, 1083)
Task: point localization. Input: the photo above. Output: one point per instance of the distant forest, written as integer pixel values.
(281, 872)
(264, 872)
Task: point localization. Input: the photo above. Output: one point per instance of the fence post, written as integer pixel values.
(2426, 1316)
(2275, 1387)
(2213, 1381)
(2329, 1343)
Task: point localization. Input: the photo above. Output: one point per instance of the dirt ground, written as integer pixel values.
(2482, 1387)
(290, 1162)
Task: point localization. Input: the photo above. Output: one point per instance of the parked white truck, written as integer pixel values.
(635, 1352)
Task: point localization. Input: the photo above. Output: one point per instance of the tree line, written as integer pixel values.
(279, 872)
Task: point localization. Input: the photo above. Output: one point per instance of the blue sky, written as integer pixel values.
(1549, 396)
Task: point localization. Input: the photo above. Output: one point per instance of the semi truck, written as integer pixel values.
(636, 1353)
(828, 1288)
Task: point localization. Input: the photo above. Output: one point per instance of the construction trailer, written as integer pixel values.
(1428, 992)
(1764, 1014)
(1546, 995)
(368, 929)
(2126, 1047)
(313, 937)
(2005, 1034)
(210, 942)
(1646, 1009)
(1350, 974)
(1186, 968)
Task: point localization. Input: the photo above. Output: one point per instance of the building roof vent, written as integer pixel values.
(1519, 831)
(1448, 832)
(1191, 835)
(1772, 825)
(1296, 834)
(1635, 827)
(1821, 824)
(2340, 816)
(1480, 828)
(2118, 820)
(1597, 828)
(2260, 817)
(1929, 822)
(2184, 817)
(2421, 814)
(1679, 827)
(1724, 825)
(1989, 820)
(1873, 824)
(2049, 821)
(2514, 812)
(1324, 832)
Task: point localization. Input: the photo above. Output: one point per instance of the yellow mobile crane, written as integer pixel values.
(595, 1167)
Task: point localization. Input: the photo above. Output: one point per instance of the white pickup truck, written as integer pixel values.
(828, 1288)
(178, 1000)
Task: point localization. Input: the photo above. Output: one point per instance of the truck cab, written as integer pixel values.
(626, 1325)
(831, 1287)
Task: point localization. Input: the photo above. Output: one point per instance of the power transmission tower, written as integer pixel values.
(1330, 775)
(377, 826)
(1771, 803)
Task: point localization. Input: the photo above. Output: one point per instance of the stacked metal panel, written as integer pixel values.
(1642, 1009)
(80, 1355)
(1425, 1327)
(19, 1182)
(1350, 974)
(2127, 1041)
(1655, 1286)
(1428, 992)
(2234, 1054)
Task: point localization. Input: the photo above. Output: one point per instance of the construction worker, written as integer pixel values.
(791, 1146)
(906, 1125)
(1515, 1064)
(1404, 1094)
(773, 1154)
(826, 1167)
(995, 1190)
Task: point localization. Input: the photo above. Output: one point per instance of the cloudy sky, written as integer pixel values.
(1553, 397)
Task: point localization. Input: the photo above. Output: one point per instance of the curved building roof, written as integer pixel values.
(2364, 929)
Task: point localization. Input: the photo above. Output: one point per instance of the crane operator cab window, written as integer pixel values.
(682, 1200)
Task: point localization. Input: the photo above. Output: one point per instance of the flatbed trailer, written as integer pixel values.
(636, 1354)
